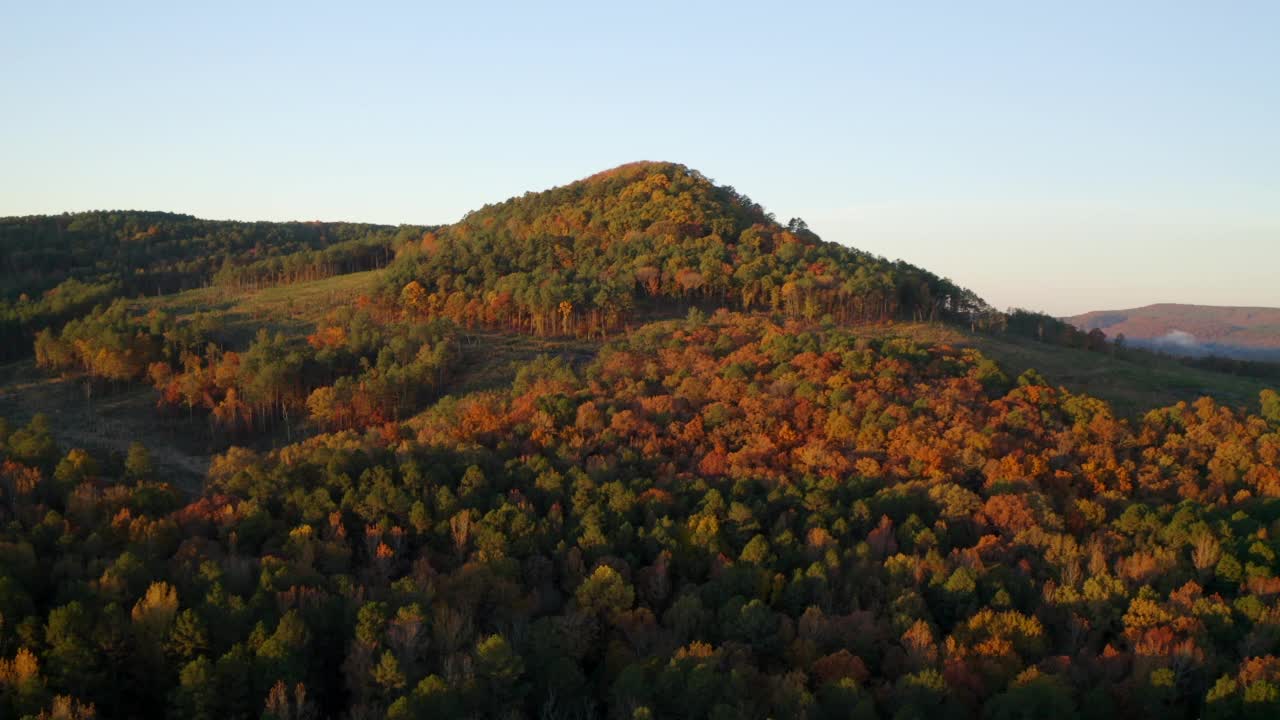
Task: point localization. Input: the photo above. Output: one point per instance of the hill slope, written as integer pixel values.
(1242, 332)
(444, 495)
(56, 267)
(1132, 382)
(584, 258)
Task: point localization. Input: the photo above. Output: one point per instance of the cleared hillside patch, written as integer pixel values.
(1133, 385)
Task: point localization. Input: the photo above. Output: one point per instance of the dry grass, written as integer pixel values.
(291, 309)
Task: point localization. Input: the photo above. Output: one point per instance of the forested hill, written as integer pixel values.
(56, 267)
(583, 258)
(498, 479)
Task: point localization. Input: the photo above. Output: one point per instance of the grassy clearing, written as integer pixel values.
(105, 423)
(111, 419)
(1132, 386)
(490, 359)
(291, 309)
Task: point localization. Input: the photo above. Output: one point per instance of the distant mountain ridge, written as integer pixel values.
(1251, 333)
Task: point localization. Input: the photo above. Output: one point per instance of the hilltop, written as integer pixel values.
(585, 258)
(1248, 333)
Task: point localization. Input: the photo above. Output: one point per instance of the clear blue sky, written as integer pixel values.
(1067, 158)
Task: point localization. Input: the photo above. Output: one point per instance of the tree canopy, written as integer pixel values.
(716, 484)
(716, 517)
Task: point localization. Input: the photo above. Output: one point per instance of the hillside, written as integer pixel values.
(1248, 333)
(585, 258)
(1132, 383)
(56, 267)
(626, 448)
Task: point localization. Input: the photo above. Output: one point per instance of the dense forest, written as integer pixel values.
(740, 496)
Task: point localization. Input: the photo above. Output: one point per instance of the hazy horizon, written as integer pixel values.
(1092, 158)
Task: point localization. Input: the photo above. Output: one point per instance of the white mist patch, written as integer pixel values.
(1177, 340)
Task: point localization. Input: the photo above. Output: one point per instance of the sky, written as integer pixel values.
(1063, 157)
